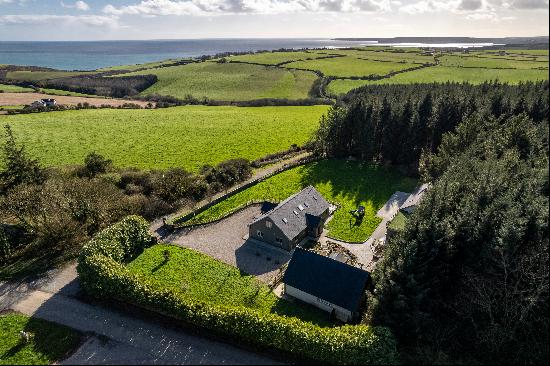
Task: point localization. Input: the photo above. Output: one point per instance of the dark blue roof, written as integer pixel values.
(326, 278)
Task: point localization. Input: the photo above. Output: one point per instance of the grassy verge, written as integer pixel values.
(347, 184)
(202, 278)
(50, 342)
(187, 137)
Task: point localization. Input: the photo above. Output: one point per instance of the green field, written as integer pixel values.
(14, 89)
(492, 63)
(348, 184)
(41, 75)
(274, 58)
(148, 65)
(229, 82)
(50, 343)
(443, 74)
(188, 137)
(68, 93)
(348, 66)
(205, 279)
(386, 55)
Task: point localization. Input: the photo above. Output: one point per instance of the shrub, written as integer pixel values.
(95, 164)
(103, 274)
(5, 246)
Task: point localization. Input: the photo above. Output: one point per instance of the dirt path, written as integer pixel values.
(27, 98)
(117, 338)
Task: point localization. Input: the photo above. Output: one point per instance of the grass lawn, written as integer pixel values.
(274, 58)
(14, 89)
(229, 81)
(349, 66)
(398, 223)
(348, 184)
(187, 137)
(203, 278)
(443, 74)
(50, 344)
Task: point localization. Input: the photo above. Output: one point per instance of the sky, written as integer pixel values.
(27, 20)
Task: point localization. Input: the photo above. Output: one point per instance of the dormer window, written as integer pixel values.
(268, 224)
(301, 207)
(285, 220)
(295, 212)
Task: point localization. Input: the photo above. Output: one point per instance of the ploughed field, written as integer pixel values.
(202, 278)
(345, 183)
(186, 137)
(229, 82)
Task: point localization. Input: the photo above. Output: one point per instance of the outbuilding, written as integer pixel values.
(328, 284)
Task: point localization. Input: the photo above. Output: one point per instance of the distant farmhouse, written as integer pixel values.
(44, 103)
(414, 199)
(328, 284)
(296, 218)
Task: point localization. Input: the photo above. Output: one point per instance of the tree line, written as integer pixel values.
(395, 124)
(467, 279)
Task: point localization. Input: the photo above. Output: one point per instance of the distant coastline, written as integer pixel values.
(92, 55)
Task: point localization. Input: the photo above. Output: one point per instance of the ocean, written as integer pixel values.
(97, 54)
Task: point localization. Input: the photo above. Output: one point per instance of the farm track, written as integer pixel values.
(27, 98)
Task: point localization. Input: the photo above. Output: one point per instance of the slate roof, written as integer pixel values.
(298, 210)
(414, 199)
(326, 278)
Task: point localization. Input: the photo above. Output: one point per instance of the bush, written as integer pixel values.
(5, 246)
(95, 164)
(103, 274)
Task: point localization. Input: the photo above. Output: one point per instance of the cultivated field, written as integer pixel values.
(347, 184)
(441, 74)
(148, 65)
(187, 137)
(202, 278)
(7, 99)
(349, 66)
(275, 58)
(492, 63)
(393, 55)
(229, 82)
(42, 75)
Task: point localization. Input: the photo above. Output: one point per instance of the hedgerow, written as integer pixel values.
(103, 274)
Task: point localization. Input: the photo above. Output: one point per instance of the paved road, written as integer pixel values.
(123, 338)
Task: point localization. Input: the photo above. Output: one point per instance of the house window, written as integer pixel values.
(268, 224)
(260, 234)
(279, 240)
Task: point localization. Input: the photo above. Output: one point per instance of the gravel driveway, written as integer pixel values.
(227, 241)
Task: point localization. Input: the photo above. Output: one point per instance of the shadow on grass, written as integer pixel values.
(303, 311)
(31, 265)
(357, 181)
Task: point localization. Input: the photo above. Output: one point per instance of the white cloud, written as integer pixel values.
(528, 4)
(213, 7)
(79, 5)
(89, 20)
